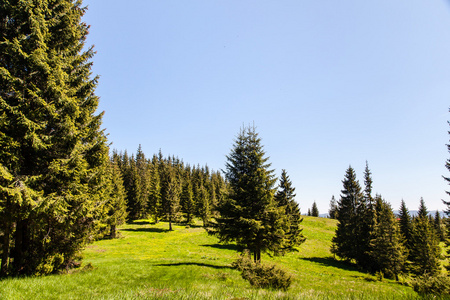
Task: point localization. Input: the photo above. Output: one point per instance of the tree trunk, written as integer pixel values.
(112, 233)
(5, 248)
(170, 222)
(257, 256)
(17, 251)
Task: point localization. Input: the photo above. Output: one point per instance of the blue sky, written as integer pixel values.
(327, 83)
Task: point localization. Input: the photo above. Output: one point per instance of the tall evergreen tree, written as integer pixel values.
(314, 210)
(332, 212)
(423, 211)
(387, 250)
(425, 251)
(249, 213)
(203, 204)
(405, 224)
(438, 226)
(132, 184)
(366, 222)
(285, 198)
(154, 190)
(447, 211)
(116, 202)
(171, 196)
(142, 168)
(52, 150)
(344, 242)
(187, 201)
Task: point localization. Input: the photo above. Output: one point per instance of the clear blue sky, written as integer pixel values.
(327, 83)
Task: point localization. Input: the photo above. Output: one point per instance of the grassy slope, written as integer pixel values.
(149, 262)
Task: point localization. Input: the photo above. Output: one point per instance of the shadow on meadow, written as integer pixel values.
(193, 264)
(224, 246)
(331, 262)
(151, 229)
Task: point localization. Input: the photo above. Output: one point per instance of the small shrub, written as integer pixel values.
(431, 285)
(263, 276)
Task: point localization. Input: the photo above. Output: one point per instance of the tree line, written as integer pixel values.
(165, 188)
(372, 236)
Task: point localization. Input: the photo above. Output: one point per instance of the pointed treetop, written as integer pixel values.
(423, 211)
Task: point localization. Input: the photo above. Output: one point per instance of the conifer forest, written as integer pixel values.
(63, 187)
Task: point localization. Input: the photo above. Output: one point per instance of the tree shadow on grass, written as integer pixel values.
(141, 223)
(224, 246)
(194, 264)
(155, 230)
(331, 262)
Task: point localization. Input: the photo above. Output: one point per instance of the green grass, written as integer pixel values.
(149, 262)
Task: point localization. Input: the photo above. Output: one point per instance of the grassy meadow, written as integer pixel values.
(150, 262)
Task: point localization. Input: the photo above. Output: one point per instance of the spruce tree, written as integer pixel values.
(332, 212)
(132, 183)
(187, 201)
(344, 242)
(314, 210)
(154, 191)
(405, 224)
(203, 204)
(52, 150)
(285, 198)
(425, 251)
(366, 222)
(423, 211)
(116, 202)
(386, 246)
(171, 195)
(438, 227)
(249, 214)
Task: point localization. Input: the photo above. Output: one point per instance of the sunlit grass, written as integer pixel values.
(150, 262)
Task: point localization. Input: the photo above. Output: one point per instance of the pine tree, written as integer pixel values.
(116, 202)
(132, 184)
(386, 246)
(437, 222)
(187, 201)
(423, 211)
(154, 190)
(344, 243)
(52, 150)
(425, 251)
(171, 195)
(285, 198)
(142, 168)
(365, 212)
(249, 213)
(332, 212)
(405, 224)
(447, 211)
(203, 204)
(314, 210)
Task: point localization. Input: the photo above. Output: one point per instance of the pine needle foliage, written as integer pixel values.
(52, 151)
(249, 215)
(344, 242)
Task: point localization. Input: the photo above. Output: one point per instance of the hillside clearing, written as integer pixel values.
(150, 262)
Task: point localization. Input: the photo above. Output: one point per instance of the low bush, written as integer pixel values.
(262, 276)
(432, 285)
